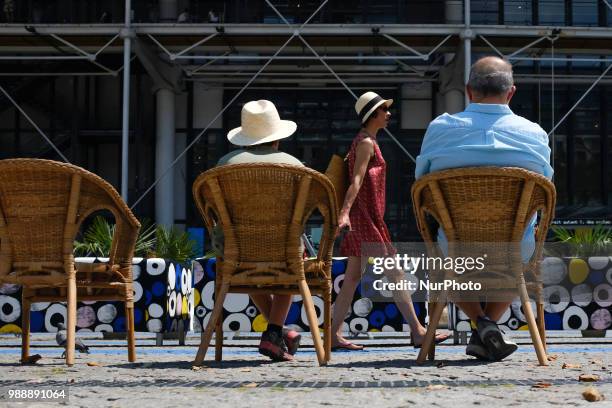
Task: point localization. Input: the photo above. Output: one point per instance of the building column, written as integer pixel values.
(453, 92)
(168, 11)
(164, 156)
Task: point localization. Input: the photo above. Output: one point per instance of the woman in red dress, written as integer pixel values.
(363, 215)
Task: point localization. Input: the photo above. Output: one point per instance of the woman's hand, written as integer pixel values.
(344, 222)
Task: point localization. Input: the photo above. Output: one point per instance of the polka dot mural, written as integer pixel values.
(240, 313)
(577, 295)
(156, 281)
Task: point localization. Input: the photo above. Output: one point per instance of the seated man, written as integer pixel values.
(259, 136)
(487, 133)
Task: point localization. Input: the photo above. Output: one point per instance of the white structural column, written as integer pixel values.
(467, 45)
(125, 126)
(453, 92)
(164, 156)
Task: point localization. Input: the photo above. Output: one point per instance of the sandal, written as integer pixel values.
(440, 337)
(347, 345)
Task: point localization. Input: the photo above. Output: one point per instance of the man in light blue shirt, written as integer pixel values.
(487, 133)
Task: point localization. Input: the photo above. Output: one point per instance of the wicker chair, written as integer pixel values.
(42, 204)
(262, 209)
(489, 205)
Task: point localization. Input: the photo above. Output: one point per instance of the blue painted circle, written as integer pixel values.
(211, 265)
(391, 311)
(294, 313)
(37, 321)
(178, 270)
(158, 289)
(377, 318)
(148, 297)
(137, 316)
(119, 324)
(553, 321)
(338, 267)
(596, 277)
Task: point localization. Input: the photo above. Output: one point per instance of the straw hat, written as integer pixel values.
(368, 103)
(260, 124)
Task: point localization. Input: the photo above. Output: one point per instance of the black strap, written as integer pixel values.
(369, 106)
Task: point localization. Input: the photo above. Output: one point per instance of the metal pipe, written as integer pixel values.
(301, 57)
(125, 125)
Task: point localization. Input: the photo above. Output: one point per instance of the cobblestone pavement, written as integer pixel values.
(383, 375)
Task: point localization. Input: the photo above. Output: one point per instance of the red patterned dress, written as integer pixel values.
(368, 210)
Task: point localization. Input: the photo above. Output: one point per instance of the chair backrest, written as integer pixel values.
(262, 209)
(42, 205)
(483, 204)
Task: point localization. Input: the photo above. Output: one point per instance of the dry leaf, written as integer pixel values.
(552, 357)
(588, 377)
(436, 387)
(31, 359)
(94, 364)
(591, 394)
(571, 365)
(541, 385)
(250, 385)
(196, 368)
(245, 370)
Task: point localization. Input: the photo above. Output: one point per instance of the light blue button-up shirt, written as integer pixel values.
(485, 135)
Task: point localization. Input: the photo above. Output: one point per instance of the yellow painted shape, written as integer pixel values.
(524, 327)
(10, 328)
(196, 297)
(260, 324)
(578, 270)
(184, 310)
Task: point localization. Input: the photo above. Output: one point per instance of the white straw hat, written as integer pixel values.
(260, 124)
(368, 103)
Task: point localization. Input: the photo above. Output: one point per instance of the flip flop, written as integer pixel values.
(348, 346)
(440, 337)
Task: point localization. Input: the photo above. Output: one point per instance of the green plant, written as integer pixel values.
(582, 243)
(174, 244)
(98, 238)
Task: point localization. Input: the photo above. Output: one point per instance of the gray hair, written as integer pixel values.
(490, 79)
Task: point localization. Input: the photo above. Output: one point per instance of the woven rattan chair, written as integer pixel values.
(42, 204)
(489, 205)
(262, 209)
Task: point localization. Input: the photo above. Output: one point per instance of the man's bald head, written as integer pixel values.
(491, 76)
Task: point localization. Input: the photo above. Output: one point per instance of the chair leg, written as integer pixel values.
(431, 354)
(219, 339)
(542, 324)
(327, 322)
(428, 342)
(208, 332)
(71, 319)
(531, 323)
(25, 329)
(129, 314)
(313, 322)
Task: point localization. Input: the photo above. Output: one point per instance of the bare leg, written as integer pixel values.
(263, 303)
(352, 276)
(495, 310)
(279, 309)
(472, 309)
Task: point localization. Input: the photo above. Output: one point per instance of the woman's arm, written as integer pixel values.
(365, 150)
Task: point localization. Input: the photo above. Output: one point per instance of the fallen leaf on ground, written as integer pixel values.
(571, 365)
(31, 359)
(196, 368)
(94, 364)
(245, 370)
(552, 357)
(591, 394)
(436, 387)
(250, 385)
(541, 385)
(588, 377)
